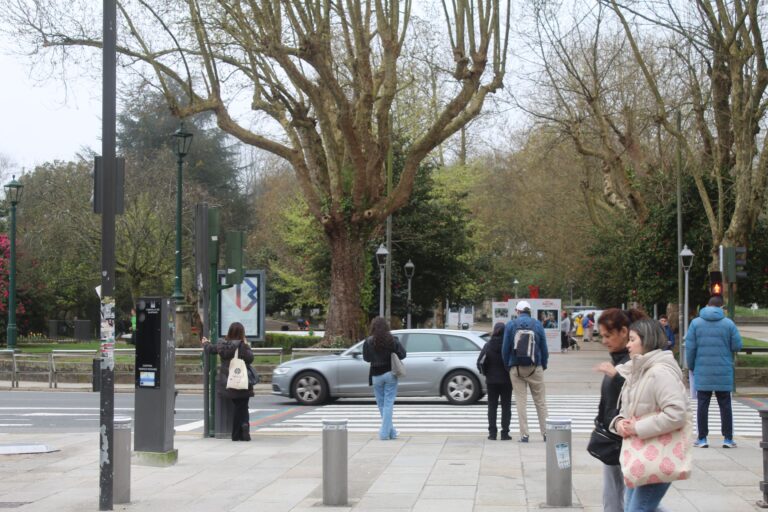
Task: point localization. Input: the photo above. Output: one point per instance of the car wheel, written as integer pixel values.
(461, 388)
(310, 388)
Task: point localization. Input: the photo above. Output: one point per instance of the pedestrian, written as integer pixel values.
(588, 323)
(664, 321)
(579, 326)
(565, 332)
(233, 343)
(525, 355)
(490, 364)
(377, 350)
(613, 326)
(653, 403)
(710, 343)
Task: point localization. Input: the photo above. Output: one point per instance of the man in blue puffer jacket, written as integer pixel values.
(709, 344)
(525, 373)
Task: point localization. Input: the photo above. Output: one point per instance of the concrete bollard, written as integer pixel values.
(121, 479)
(559, 493)
(763, 503)
(335, 462)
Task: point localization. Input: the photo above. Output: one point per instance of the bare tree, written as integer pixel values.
(320, 78)
(721, 49)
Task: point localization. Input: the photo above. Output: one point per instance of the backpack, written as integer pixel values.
(525, 347)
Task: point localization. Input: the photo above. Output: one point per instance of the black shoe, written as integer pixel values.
(245, 430)
(492, 437)
(505, 437)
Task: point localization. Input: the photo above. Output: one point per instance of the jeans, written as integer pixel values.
(726, 415)
(644, 498)
(613, 489)
(239, 416)
(496, 391)
(385, 389)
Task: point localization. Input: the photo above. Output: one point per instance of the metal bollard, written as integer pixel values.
(121, 477)
(335, 462)
(559, 493)
(763, 503)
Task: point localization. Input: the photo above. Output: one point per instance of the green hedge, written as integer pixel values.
(288, 341)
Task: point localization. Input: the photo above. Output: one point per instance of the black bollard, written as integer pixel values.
(763, 503)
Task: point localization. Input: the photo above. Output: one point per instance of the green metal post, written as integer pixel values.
(177, 294)
(12, 283)
(214, 333)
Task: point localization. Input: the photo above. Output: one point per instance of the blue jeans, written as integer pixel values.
(385, 388)
(645, 498)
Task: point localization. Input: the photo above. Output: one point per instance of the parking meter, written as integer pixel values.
(155, 381)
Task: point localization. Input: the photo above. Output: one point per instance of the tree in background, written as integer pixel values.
(321, 79)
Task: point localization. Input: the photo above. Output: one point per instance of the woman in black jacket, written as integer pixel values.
(491, 364)
(378, 350)
(613, 325)
(235, 341)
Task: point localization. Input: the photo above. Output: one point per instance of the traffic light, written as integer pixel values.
(716, 284)
(735, 263)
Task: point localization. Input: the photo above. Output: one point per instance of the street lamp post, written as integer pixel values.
(13, 195)
(686, 260)
(410, 268)
(182, 141)
(381, 258)
(515, 282)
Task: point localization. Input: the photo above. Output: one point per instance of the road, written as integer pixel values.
(33, 412)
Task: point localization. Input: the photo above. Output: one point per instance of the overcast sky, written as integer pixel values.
(42, 122)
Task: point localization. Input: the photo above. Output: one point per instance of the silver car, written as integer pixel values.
(440, 362)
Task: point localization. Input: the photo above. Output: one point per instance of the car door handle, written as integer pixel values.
(438, 359)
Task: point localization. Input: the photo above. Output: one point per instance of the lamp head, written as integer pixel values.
(13, 191)
(686, 258)
(381, 255)
(182, 141)
(410, 268)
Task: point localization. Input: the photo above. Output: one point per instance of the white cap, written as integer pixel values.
(522, 305)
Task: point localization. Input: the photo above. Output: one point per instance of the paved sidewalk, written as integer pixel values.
(420, 473)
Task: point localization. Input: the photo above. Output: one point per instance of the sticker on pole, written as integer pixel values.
(563, 454)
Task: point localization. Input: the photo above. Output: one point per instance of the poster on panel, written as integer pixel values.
(500, 312)
(244, 303)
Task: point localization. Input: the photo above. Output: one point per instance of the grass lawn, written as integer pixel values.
(753, 360)
(742, 311)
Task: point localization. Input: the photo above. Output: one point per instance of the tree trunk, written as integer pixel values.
(346, 318)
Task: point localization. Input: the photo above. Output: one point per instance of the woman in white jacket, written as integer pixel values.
(655, 392)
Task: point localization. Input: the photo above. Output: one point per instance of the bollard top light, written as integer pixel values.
(410, 268)
(686, 258)
(182, 140)
(13, 191)
(381, 255)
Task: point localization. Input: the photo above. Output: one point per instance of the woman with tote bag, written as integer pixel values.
(234, 346)
(654, 420)
(379, 349)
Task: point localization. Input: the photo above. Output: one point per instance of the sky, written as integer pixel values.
(41, 122)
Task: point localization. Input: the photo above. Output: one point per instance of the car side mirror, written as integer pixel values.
(355, 354)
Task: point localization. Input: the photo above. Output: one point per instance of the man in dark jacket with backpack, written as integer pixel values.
(525, 354)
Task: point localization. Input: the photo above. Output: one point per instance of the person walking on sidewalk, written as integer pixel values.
(653, 402)
(233, 343)
(613, 325)
(588, 324)
(664, 321)
(525, 355)
(565, 332)
(490, 364)
(710, 343)
(378, 350)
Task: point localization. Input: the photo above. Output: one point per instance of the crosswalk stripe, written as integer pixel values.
(414, 417)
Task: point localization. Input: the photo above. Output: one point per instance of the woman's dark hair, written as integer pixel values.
(614, 319)
(236, 332)
(382, 337)
(498, 329)
(651, 334)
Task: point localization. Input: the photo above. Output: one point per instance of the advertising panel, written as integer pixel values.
(244, 303)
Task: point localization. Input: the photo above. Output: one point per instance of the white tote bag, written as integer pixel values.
(238, 375)
(398, 368)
